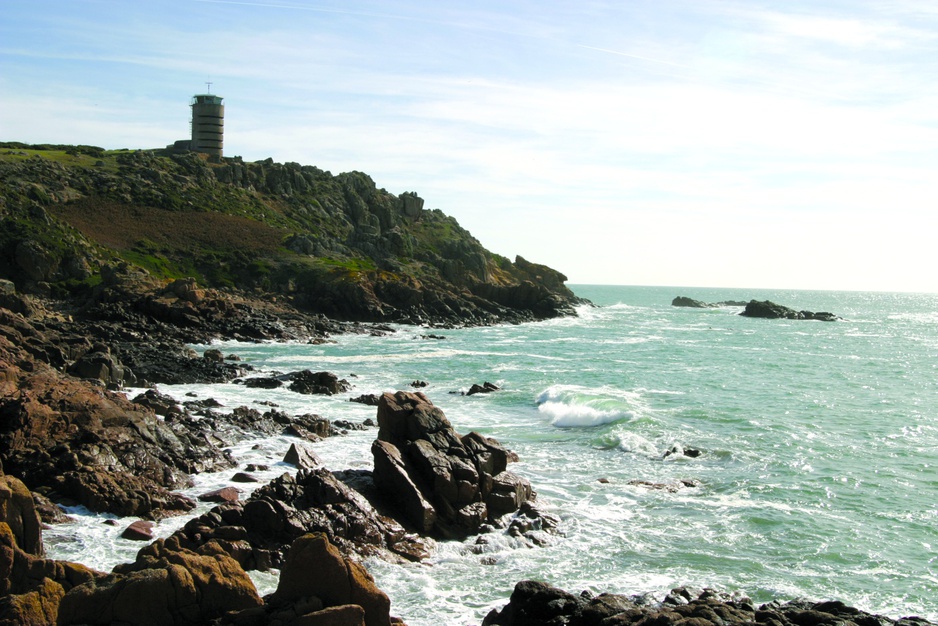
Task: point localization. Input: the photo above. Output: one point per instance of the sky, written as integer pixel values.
(711, 143)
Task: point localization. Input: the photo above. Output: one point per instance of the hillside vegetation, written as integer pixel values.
(331, 244)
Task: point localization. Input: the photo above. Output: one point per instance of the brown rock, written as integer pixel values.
(225, 494)
(18, 510)
(166, 585)
(345, 615)
(141, 530)
(334, 580)
(33, 608)
(302, 457)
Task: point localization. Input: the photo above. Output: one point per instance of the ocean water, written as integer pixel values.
(817, 475)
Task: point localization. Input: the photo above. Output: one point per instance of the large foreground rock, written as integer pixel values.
(535, 603)
(165, 585)
(18, 511)
(440, 482)
(320, 587)
(32, 587)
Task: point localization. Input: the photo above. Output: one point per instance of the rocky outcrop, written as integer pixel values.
(534, 602)
(319, 586)
(258, 531)
(770, 310)
(323, 383)
(167, 584)
(18, 512)
(441, 483)
(32, 587)
(334, 245)
(79, 442)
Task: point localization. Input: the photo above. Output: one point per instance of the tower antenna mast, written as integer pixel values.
(208, 86)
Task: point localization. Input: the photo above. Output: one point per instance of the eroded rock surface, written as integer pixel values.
(440, 482)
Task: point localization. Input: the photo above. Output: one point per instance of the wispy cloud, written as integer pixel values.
(599, 137)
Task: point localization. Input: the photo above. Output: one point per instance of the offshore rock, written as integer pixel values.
(769, 310)
(534, 602)
(684, 301)
(440, 482)
(325, 383)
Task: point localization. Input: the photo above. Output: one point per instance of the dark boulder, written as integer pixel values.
(440, 482)
(769, 310)
(486, 387)
(325, 383)
(684, 301)
(368, 399)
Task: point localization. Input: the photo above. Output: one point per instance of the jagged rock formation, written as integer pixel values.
(769, 310)
(171, 584)
(336, 245)
(440, 482)
(258, 531)
(534, 602)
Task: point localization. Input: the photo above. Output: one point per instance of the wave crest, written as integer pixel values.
(572, 407)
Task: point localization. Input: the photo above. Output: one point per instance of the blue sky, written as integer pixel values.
(672, 142)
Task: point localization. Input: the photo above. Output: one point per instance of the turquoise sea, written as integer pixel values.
(818, 468)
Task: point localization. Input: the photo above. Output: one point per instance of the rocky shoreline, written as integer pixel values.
(113, 262)
(67, 436)
(71, 440)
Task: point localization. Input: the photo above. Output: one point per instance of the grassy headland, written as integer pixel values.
(331, 244)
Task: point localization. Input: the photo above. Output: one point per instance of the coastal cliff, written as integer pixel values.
(335, 245)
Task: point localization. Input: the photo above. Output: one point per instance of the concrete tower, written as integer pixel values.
(208, 125)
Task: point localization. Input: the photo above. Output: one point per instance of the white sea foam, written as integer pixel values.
(572, 407)
(637, 444)
(572, 416)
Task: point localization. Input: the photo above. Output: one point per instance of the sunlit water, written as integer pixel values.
(818, 475)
